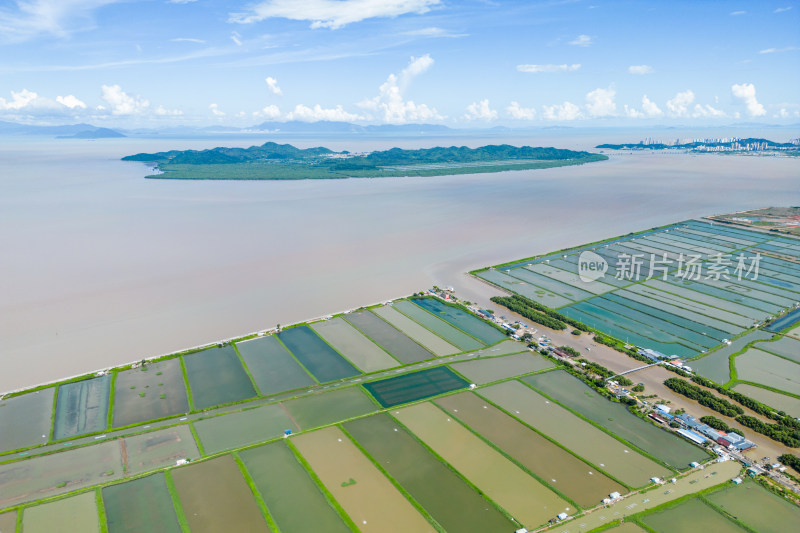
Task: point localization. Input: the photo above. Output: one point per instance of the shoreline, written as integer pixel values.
(177, 353)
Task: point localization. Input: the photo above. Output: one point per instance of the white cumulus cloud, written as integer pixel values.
(331, 14)
(162, 111)
(271, 112)
(480, 111)
(390, 103)
(746, 92)
(565, 111)
(548, 68)
(216, 110)
(650, 108)
(640, 69)
(782, 9)
(707, 111)
(778, 50)
(581, 40)
(679, 105)
(272, 83)
(70, 101)
(122, 103)
(518, 112)
(19, 100)
(600, 102)
(313, 114)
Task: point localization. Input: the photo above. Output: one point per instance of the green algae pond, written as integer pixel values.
(558, 468)
(155, 390)
(422, 335)
(446, 331)
(756, 507)
(451, 501)
(394, 341)
(365, 494)
(690, 516)
(326, 408)
(461, 319)
(483, 371)
(294, 500)
(325, 363)
(81, 407)
(415, 386)
(615, 417)
(159, 448)
(250, 426)
(525, 498)
(30, 415)
(272, 366)
(143, 504)
(216, 376)
(575, 434)
(354, 345)
(215, 497)
(70, 515)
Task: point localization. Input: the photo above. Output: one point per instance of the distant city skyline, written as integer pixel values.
(481, 63)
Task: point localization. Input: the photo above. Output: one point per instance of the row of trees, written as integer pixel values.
(777, 432)
(720, 425)
(753, 405)
(528, 308)
(703, 397)
(790, 460)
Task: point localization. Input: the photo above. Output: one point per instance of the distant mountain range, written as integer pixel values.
(71, 131)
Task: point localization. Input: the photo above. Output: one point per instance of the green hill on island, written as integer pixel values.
(272, 161)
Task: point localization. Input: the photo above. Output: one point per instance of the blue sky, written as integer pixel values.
(470, 63)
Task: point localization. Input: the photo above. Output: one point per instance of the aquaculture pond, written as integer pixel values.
(446, 331)
(782, 402)
(786, 347)
(216, 376)
(505, 483)
(556, 467)
(143, 504)
(415, 386)
(579, 436)
(690, 516)
(316, 355)
(8, 522)
(716, 365)
(423, 336)
(50, 475)
(293, 499)
(51, 517)
(215, 497)
(159, 448)
(439, 490)
(461, 319)
(329, 407)
(272, 366)
(250, 426)
(615, 417)
(366, 495)
(354, 345)
(30, 415)
(81, 407)
(394, 341)
(758, 508)
(152, 391)
(482, 371)
(766, 369)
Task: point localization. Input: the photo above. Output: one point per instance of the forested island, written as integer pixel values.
(272, 161)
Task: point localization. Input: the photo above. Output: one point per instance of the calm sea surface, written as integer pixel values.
(99, 266)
